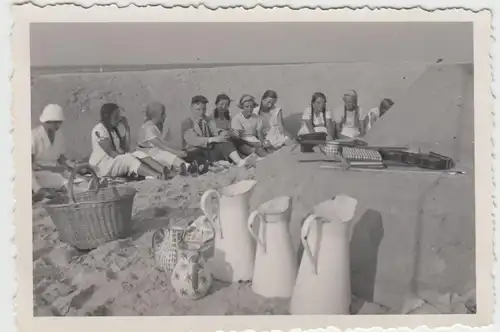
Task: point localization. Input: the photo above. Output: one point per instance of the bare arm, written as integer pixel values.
(336, 129)
(65, 162)
(359, 123)
(260, 133)
(281, 124)
(330, 127)
(237, 127)
(34, 182)
(361, 127)
(309, 125)
(160, 144)
(125, 140)
(106, 145)
(59, 167)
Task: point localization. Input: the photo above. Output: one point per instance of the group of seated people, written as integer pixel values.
(242, 139)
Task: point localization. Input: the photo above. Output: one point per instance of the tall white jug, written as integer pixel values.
(323, 285)
(234, 251)
(275, 261)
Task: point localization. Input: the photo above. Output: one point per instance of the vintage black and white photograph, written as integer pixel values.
(253, 168)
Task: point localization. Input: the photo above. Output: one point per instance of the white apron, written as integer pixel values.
(46, 153)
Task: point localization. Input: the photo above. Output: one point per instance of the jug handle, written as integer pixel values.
(306, 227)
(213, 219)
(195, 270)
(155, 242)
(251, 220)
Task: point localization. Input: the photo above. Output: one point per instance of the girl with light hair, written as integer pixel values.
(248, 128)
(348, 123)
(151, 141)
(47, 154)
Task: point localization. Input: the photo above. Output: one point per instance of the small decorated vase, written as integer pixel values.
(191, 278)
(165, 247)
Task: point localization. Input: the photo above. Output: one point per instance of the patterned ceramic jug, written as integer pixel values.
(165, 246)
(191, 279)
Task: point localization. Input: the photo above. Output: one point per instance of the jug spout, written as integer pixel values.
(239, 188)
(342, 208)
(277, 209)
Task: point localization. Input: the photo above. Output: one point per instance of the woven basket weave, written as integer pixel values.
(89, 219)
(351, 153)
(360, 154)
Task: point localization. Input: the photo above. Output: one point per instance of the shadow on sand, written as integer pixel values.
(367, 235)
(292, 123)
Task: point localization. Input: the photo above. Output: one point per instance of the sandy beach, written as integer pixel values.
(120, 278)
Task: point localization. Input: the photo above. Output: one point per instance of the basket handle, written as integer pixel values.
(72, 177)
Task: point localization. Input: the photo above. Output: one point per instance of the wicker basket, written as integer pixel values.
(91, 218)
(332, 149)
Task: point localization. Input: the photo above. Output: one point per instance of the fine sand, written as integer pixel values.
(120, 278)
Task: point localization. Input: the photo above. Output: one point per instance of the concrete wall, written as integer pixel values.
(82, 95)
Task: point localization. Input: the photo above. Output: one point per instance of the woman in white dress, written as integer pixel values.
(151, 141)
(317, 118)
(110, 157)
(47, 154)
(272, 121)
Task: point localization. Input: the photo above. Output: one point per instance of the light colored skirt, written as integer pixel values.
(319, 129)
(276, 137)
(165, 158)
(122, 165)
(350, 132)
(50, 180)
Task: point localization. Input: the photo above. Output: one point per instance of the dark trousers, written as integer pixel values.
(247, 149)
(217, 152)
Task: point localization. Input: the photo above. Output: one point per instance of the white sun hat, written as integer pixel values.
(52, 112)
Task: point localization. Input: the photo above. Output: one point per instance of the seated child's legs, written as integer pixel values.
(198, 155)
(126, 164)
(223, 151)
(246, 149)
(261, 152)
(156, 169)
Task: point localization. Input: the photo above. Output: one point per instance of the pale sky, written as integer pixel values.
(69, 44)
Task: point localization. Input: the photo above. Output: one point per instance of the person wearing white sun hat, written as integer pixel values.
(47, 153)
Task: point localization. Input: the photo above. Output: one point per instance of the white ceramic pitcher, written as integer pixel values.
(275, 261)
(234, 251)
(323, 285)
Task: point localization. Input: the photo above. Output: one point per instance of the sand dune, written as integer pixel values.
(82, 95)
